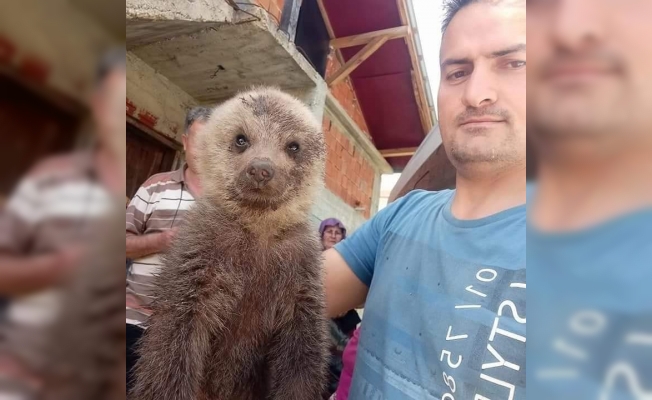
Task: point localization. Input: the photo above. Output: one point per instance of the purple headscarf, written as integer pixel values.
(331, 222)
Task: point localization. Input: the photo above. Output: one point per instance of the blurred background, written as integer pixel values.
(48, 57)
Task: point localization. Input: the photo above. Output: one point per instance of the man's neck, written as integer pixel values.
(480, 195)
(575, 193)
(191, 179)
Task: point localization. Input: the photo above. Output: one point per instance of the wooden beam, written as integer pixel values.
(329, 28)
(402, 152)
(356, 60)
(364, 38)
(424, 114)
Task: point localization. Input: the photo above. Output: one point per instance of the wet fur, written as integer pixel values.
(239, 313)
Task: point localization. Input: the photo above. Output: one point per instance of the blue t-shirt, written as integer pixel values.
(590, 298)
(445, 314)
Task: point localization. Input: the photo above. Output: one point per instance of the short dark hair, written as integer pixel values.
(112, 60)
(451, 8)
(196, 114)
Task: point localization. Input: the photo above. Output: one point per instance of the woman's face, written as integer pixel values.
(332, 236)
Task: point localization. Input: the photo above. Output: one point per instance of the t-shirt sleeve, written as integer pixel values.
(138, 211)
(360, 249)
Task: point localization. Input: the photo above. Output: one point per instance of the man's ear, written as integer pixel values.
(184, 140)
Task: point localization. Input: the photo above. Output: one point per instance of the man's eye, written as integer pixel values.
(516, 64)
(457, 75)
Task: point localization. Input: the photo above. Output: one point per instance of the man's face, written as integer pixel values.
(482, 110)
(189, 142)
(590, 64)
(108, 109)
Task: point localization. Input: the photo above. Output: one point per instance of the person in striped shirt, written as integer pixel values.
(48, 223)
(153, 217)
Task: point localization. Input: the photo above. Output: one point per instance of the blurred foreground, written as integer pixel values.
(590, 209)
(62, 90)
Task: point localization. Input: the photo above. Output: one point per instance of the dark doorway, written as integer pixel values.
(146, 156)
(312, 38)
(32, 127)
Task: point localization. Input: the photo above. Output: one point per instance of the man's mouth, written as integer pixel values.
(481, 121)
(573, 73)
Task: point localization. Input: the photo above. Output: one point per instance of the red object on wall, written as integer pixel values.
(34, 69)
(148, 118)
(7, 50)
(131, 108)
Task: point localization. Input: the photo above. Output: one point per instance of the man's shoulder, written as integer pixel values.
(415, 200)
(61, 166)
(160, 180)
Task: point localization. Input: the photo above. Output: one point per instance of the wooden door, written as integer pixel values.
(146, 156)
(32, 127)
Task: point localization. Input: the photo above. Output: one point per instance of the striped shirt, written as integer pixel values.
(56, 205)
(160, 204)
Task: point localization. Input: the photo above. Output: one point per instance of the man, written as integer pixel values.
(443, 273)
(153, 216)
(46, 223)
(589, 239)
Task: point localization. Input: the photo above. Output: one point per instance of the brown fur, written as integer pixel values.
(85, 357)
(240, 313)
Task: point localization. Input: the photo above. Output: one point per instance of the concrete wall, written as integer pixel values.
(54, 43)
(154, 100)
(184, 10)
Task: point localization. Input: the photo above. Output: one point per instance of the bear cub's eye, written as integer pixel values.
(293, 147)
(241, 141)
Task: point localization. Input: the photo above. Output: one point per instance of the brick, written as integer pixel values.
(356, 169)
(265, 3)
(330, 183)
(340, 138)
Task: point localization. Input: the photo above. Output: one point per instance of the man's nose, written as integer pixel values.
(580, 24)
(261, 171)
(480, 91)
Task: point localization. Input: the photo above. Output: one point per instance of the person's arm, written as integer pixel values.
(350, 266)
(21, 275)
(344, 290)
(138, 212)
(144, 245)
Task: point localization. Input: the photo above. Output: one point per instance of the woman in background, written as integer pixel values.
(331, 232)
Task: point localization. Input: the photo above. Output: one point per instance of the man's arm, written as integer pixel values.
(144, 245)
(21, 275)
(344, 291)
